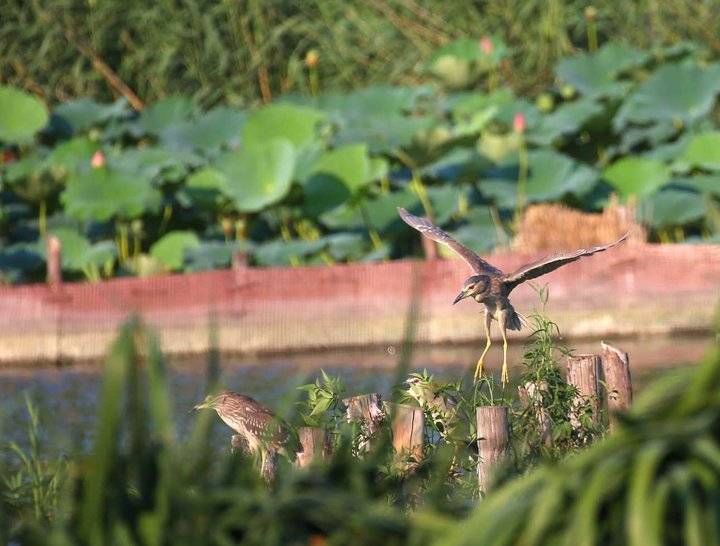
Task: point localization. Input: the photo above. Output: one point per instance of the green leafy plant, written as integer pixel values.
(543, 425)
(35, 486)
(323, 405)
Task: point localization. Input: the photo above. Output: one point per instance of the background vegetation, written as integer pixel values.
(241, 53)
(315, 175)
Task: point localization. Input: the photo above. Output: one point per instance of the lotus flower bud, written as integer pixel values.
(519, 123)
(312, 58)
(98, 160)
(486, 45)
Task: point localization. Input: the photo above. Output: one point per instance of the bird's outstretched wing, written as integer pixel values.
(551, 263)
(431, 231)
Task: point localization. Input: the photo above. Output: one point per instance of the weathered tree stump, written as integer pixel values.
(531, 396)
(54, 261)
(618, 384)
(367, 411)
(315, 445)
(582, 373)
(493, 432)
(408, 428)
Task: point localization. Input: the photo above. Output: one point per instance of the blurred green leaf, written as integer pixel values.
(703, 151)
(297, 124)
(82, 114)
(170, 248)
(21, 115)
(553, 175)
(101, 194)
(72, 154)
(569, 118)
(595, 74)
(323, 192)
(165, 113)
(210, 255)
(280, 252)
(255, 176)
(350, 164)
(78, 252)
(214, 129)
(666, 95)
(637, 176)
(671, 207)
(207, 187)
(151, 161)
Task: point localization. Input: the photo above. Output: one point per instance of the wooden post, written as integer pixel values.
(493, 432)
(531, 396)
(582, 373)
(314, 442)
(408, 429)
(367, 410)
(53, 262)
(618, 384)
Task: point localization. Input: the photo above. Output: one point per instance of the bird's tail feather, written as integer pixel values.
(513, 320)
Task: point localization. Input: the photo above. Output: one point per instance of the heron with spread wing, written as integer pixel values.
(492, 287)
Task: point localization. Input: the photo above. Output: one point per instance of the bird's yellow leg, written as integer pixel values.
(481, 360)
(505, 378)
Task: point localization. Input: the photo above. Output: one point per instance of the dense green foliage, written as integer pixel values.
(237, 52)
(652, 481)
(317, 179)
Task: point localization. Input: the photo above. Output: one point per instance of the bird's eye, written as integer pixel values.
(470, 287)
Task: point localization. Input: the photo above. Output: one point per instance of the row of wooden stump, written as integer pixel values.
(595, 376)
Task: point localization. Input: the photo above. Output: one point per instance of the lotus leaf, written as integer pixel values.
(676, 92)
(101, 194)
(218, 127)
(170, 248)
(259, 175)
(72, 155)
(165, 113)
(297, 124)
(213, 254)
(637, 176)
(704, 183)
(703, 151)
(281, 252)
(350, 164)
(82, 114)
(323, 192)
(569, 118)
(78, 253)
(21, 116)
(595, 74)
(672, 206)
(551, 176)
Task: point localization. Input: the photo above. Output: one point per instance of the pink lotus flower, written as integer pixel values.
(486, 45)
(519, 123)
(98, 160)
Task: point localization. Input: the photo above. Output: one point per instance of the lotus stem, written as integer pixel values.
(42, 218)
(521, 198)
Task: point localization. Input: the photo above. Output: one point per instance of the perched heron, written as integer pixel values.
(492, 287)
(263, 432)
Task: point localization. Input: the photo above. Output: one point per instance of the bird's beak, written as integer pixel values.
(460, 296)
(204, 405)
